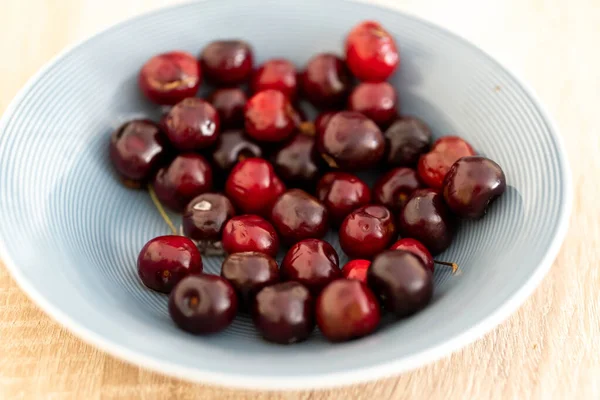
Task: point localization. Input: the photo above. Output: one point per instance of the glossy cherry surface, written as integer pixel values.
(367, 231)
(445, 151)
(377, 101)
(351, 141)
(269, 116)
(297, 215)
(406, 140)
(227, 62)
(394, 187)
(203, 304)
(347, 309)
(371, 52)
(472, 184)
(188, 176)
(426, 218)
(326, 81)
(137, 149)
(248, 273)
(244, 233)
(192, 124)
(278, 74)
(401, 281)
(284, 313)
(312, 262)
(253, 187)
(356, 269)
(170, 77)
(297, 162)
(233, 146)
(342, 193)
(322, 120)
(205, 216)
(418, 249)
(166, 260)
(229, 103)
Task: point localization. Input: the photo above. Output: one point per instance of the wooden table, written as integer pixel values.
(549, 349)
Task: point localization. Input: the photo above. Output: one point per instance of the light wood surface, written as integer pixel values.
(549, 349)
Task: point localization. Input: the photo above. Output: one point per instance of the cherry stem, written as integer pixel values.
(449, 264)
(161, 210)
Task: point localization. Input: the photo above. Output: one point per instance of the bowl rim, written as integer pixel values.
(328, 380)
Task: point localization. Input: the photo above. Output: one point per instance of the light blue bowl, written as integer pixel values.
(70, 233)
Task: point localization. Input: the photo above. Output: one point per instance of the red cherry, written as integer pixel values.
(229, 103)
(326, 81)
(269, 116)
(322, 121)
(227, 62)
(371, 53)
(377, 101)
(356, 269)
(205, 216)
(367, 231)
(278, 74)
(393, 188)
(445, 151)
(342, 193)
(250, 233)
(192, 124)
(170, 77)
(418, 249)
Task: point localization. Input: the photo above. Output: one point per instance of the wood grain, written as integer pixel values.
(549, 349)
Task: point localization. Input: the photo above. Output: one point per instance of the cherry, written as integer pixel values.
(312, 262)
(253, 187)
(356, 269)
(233, 146)
(367, 231)
(137, 150)
(229, 103)
(426, 218)
(278, 74)
(269, 116)
(192, 124)
(204, 218)
(347, 309)
(351, 141)
(203, 304)
(401, 281)
(406, 139)
(284, 313)
(371, 53)
(322, 121)
(250, 233)
(297, 162)
(472, 184)
(342, 193)
(297, 215)
(165, 260)
(445, 151)
(248, 273)
(227, 62)
(326, 81)
(170, 77)
(377, 101)
(393, 188)
(418, 249)
(186, 177)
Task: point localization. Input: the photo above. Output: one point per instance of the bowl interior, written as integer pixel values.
(71, 233)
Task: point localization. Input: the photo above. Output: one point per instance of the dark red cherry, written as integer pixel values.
(445, 151)
(227, 62)
(426, 218)
(278, 74)
(166, 260)
(312, 262)
(253, 187)
(250, 233)
(351, 141)
(284, 313)
(248, 273)
(270, 117)
(472, 184)
(205, 216)
(393, 188)
(233, 146)
(170, 77)
(418, 249)
(322, 121)
(192, 124)
(371, 52)
(297, 162)
(188, 176)
(347, 309)
(356, 269)
(203, 304)
(367, 231)
(407, 139)
(297, 215)
(229, 103)
(137, 149)
(326, 81)
(342, 193)
(377, 101)
(401, 281)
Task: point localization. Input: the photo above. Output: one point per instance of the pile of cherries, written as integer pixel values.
(250, 174)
